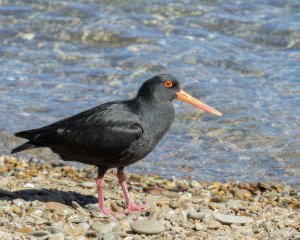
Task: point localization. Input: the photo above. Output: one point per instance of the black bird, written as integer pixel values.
(115, 134)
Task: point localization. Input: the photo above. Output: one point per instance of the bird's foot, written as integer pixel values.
(132, 207)
(107, 211)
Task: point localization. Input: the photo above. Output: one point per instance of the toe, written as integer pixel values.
(106, 211)
(139, 208)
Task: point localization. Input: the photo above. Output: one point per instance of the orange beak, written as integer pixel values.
(183, 96)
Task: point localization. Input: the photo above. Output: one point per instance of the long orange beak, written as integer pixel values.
(183, 96)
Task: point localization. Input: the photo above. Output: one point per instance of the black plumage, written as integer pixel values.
(114, 134)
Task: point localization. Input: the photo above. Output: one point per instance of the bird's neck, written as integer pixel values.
(150, 108)
(153, 103)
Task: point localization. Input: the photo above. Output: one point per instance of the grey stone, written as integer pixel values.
(154, 212)
(290, 223)
(68, 183)
(2, 220)
(75, 219)
(137, 237)
(58, 236)
(55, 230)
(213, 224)
(81, 237)
(296, 236)
(92, 175)
(93, 207)
(85, 227)
(20, 202)
(200, 226)
(102, 227)
(98, 214)
(233, 203)
(109, 236)
(229, 219)
(174, 204)
(242, 193)
(6, 236)
(147, 227)
(196, 215)
(40, 233)
(268, 226)
(283, 233)
(205, 210)
(75, 205)
(88, 184)
(79, 208)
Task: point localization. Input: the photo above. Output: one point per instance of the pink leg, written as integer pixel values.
(100, 186)
(131, 206)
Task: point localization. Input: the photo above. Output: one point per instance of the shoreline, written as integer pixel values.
(39, 201)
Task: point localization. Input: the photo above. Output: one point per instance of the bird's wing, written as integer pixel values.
(106, 129)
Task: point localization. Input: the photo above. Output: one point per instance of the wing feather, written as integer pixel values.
(105, 130)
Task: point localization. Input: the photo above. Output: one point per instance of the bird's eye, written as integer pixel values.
(168, 84)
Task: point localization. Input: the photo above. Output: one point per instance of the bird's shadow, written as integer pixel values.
(48, 195)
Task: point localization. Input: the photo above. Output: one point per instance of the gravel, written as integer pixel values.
(40, 201)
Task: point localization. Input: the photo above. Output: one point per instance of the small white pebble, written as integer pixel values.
(29, 185)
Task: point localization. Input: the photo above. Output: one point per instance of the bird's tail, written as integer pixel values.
(25, 146)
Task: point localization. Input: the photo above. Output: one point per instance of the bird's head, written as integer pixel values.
(165, 87)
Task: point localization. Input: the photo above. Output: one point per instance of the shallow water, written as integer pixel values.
(58, 58)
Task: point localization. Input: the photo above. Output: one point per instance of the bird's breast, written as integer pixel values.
(156, 124)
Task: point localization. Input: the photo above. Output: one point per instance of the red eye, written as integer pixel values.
(168, 84)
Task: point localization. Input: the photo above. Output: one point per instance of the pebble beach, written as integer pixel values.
(57, 202)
